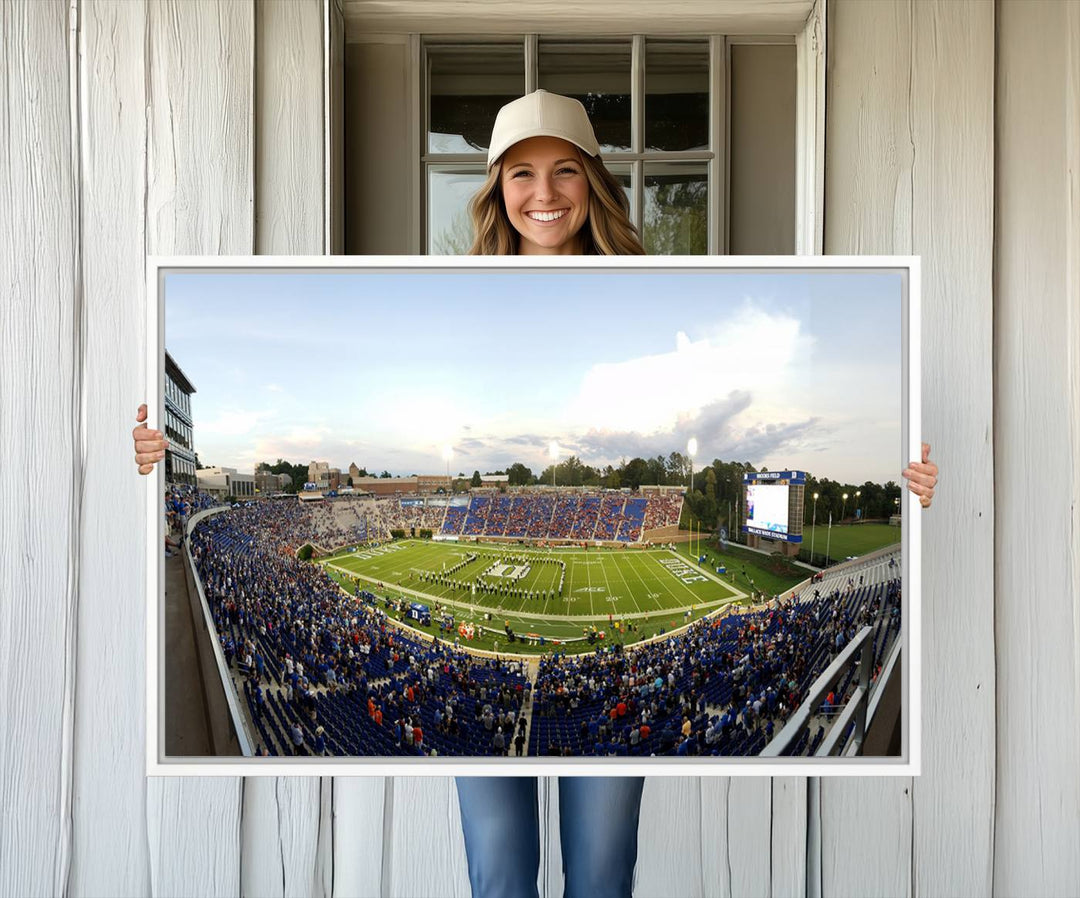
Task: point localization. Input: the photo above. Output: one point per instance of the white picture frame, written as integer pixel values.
(908, 763)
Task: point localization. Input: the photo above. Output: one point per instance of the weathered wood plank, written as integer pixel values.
(110, 729)
(200, 185)
(199, 200)
(670, 839)
(952, 132)
(40, 431)
(736, 836)
(1036, 440)
(289, 127)
(789, 810)
(358, 836)
(424, 848)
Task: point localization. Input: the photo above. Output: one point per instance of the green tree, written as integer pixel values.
(655, 471)
(678, 468)
(634, 473)
(519, 475)
(476, 480)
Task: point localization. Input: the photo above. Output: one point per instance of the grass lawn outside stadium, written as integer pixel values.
(650, 590)
(848, 539)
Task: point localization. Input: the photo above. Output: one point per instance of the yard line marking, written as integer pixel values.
(629, 591)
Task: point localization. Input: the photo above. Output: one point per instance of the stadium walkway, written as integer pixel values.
(187, 731)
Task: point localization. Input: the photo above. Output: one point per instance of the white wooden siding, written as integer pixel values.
(40, 432)
(109, 821)
(1036, 837)
(180, 127)
(909, 149)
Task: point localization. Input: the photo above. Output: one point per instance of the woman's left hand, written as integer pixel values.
(922, 477)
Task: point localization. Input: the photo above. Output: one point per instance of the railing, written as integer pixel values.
(210, 632)
(854, 710)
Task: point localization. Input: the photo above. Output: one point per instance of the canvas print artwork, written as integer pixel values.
(519, 515)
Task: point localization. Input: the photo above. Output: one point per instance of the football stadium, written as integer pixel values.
(543, 621)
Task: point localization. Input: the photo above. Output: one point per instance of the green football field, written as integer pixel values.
(848, 539)
(551, 593)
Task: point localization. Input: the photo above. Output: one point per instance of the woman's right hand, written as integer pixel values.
(150, 445)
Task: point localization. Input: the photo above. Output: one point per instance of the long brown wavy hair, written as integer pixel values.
(607, 231)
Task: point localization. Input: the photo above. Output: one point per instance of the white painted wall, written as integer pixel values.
(135, 127)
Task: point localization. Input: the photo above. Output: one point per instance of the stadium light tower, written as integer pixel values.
(691, 451)
(843, 505)
(857, 494)
(447, 454)
(553, 454)
(813, 529)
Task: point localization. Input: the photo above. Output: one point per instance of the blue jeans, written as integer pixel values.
(598, 822)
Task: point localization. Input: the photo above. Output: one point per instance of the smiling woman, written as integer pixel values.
(547, 191)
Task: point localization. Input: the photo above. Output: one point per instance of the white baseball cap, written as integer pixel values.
(541, 114)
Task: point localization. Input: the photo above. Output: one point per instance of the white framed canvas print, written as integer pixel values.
(487, 516)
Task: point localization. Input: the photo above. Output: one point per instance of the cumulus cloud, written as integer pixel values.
(753, 349)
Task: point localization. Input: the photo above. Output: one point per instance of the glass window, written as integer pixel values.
(676, 95)
(449, 192)
(676, 209)
(467, 84)
(597, 74)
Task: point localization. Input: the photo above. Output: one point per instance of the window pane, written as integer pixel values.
(449, 191)
(676, 209)
(597, 74)
(622, 174)
(466, 87)
(676, 95)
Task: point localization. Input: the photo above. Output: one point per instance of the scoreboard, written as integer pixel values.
(773, 503)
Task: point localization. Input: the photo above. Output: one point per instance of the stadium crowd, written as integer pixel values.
(544, 515)
(327, 672)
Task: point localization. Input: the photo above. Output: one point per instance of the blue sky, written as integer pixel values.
(798, 370)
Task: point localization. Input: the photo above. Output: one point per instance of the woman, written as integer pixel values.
(548, 193)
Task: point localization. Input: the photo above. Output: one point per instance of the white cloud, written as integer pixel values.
(753, 350)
